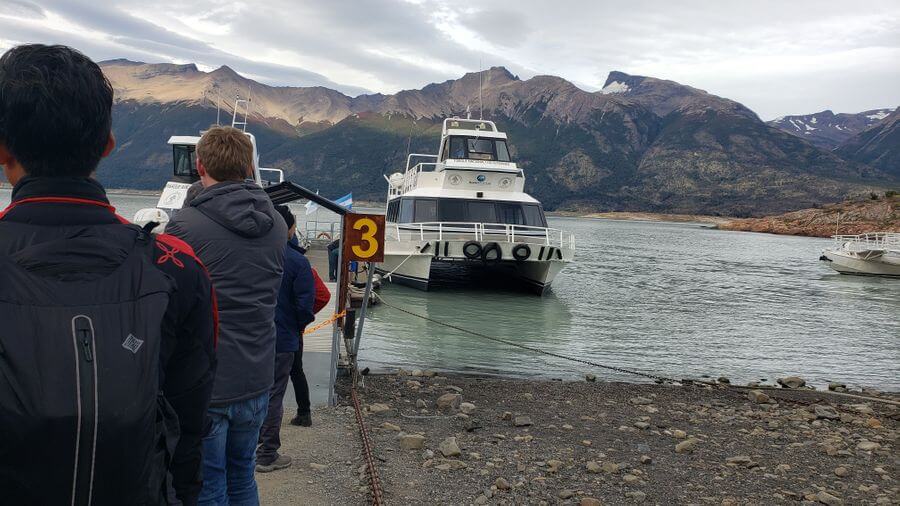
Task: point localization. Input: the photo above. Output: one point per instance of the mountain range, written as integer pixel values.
(638, 144)
(827, 129)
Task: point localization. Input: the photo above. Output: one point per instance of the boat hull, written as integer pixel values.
(429, 265)
(850, 264)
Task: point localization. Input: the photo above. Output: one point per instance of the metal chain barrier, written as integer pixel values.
(331, 319)
(371, 470)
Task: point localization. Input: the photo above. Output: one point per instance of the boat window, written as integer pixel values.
(457, 148)
(393, 209)
(406, 211)
(452, 210)
(481, 149)
(510, 214)
(534, 216)
(183, 156)
(502, 151)
(482, 212)
(444, 149)
(425, 210)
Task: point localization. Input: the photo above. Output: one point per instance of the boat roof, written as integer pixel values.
(191, 140)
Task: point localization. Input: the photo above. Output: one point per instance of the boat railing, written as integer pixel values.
(482, 232)
(889, 241)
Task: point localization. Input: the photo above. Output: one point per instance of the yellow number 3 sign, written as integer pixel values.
(364, 237)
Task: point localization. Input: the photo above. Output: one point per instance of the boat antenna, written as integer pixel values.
(480, 87)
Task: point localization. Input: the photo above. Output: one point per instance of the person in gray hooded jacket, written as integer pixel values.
(235, 230)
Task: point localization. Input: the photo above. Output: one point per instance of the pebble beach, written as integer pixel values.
(475, 440)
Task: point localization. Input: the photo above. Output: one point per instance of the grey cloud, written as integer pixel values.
(21, 8)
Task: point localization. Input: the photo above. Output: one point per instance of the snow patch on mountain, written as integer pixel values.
(880, 115)
(615, 87)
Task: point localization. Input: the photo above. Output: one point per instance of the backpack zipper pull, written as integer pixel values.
(83, 331)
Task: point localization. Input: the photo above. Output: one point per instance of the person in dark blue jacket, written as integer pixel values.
(293, 312)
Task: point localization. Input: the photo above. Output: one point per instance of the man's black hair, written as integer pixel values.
(288, 216)
(55, 110)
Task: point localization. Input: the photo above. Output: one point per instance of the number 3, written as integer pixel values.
(368, 236)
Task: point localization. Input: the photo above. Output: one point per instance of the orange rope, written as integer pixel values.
(325, 323)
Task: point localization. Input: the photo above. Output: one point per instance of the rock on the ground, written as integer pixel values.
(868, 446)
(449, 447)
(378, 408)
(686, 446)
(828, 499)
(590, 378)
(449, 401)
(640, 401)
(589, 501)
(501, 484)
(412, 441)
(522, 421)
(593, 467)
(826, 412)
(636, 495)
(792, 382)
(467, 408)
(758, 396)
(566, 493)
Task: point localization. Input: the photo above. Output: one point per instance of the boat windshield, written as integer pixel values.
(430, 210)
(475, 148)
(183, 159)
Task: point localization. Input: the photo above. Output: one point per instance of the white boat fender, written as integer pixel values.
(491, 252)
(146, 215)
(521, 252)
(472, 250)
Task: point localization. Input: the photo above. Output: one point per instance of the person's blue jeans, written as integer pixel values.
(229, 453)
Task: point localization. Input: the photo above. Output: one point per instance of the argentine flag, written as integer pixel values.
(346, 201)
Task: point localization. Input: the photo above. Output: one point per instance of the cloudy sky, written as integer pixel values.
(776, 57)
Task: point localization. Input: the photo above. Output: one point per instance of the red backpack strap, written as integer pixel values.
(63, 200)
(171, 246)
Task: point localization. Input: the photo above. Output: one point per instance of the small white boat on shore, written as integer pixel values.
(874, 254)
(464, 216)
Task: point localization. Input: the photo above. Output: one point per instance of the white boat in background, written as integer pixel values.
(463, 215)
(184, 171)
(874, 254)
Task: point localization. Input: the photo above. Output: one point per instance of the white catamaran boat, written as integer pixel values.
(463, 215)
(875, 254)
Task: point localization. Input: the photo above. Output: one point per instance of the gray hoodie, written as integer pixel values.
(236, 232)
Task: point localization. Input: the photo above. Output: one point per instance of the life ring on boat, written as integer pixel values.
(521, 252)
(472, 250)
(324, 235)
(491, 252)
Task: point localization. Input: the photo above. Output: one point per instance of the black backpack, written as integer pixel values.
(82, 418)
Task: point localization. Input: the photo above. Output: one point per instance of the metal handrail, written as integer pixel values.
(500, 232)
(872, 240)
(410, 156)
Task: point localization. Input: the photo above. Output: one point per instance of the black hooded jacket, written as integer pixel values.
(49, 218)
(239, 236)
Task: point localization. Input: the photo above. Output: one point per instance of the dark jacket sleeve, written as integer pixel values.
(304, 292)
(189, 360)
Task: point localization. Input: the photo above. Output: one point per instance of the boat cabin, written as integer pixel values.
(184, 170)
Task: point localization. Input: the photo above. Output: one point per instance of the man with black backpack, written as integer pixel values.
(107, 347)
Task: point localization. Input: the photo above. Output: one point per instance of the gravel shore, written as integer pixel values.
(470, 440)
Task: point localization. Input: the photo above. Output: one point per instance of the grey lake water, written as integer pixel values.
(679, 300)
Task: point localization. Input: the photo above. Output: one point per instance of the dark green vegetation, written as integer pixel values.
(656, 146)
